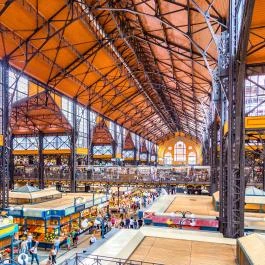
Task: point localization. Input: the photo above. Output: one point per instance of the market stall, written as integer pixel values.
(7, 232)
(254, 200)
(58, 217)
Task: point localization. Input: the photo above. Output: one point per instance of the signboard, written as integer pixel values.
(80, 208)
(69, 210)
(15, 212)
(89, 204)
(57, 212)
(34, 213)
(102, 205)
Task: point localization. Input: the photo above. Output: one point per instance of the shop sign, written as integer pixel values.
(102, 205)
(89, 204)
(15, 212)
(33, 213)
(69, 210)
(80, 208)
(57, 212)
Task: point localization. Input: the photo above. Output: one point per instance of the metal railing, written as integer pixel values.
(83, 259)
(8, 261)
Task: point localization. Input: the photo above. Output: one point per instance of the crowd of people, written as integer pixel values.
(125, 218)
(29, 247)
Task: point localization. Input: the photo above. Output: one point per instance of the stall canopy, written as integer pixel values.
(253, 191)
(26, 189)
(28, 194)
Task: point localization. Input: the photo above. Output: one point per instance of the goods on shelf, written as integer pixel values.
(50, 237)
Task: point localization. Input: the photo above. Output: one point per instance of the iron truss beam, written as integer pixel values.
(101, 33)
(141, 41)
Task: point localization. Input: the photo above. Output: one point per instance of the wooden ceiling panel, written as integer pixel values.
(151, 55)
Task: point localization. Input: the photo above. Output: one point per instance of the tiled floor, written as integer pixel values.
(183, 252)
(200, 205)
(83, 247)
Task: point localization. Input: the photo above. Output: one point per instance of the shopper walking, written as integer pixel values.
(113, 221)
(24, 246)
(75, 239)
(122, 223)
(57, 244)
(127, 222)
(92, 240)
(29, 240)
(131, 223)
(135, 224)
(140, 222)
(68, 242)
(52, 255)
(34, 253)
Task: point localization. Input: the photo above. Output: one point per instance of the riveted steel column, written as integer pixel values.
(5, 135)
(73, 148)
(11, 164)
(41, 162)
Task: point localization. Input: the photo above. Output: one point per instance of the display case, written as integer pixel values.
(21, 224)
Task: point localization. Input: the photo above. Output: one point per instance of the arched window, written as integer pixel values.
(168, 158)
(192, 159)
(180, 152)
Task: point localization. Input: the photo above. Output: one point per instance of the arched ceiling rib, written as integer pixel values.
(144, 64)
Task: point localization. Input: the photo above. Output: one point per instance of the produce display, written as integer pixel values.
(49, 237)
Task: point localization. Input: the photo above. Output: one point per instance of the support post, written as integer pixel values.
(11, 164)
(41, 162)
(118, 195)
(135, 155)
(122, 142)
(73, 148)
(232, 193)
(263, 165)
(115, 142)
(4, 135)
(89, 137)
(214, 153)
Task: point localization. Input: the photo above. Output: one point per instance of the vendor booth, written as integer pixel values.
(58, 217)
(254, 200)
(7, 233)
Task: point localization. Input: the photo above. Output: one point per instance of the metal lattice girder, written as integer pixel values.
(176, 85)
(100, 31)
(5, 135)
(213, 154)
(140, 41)
(53, 32)
(73, 141)
(41, 162)
(232, 77)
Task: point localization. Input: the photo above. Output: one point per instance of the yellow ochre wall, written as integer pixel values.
(170, 143)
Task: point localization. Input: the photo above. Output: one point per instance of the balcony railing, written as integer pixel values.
(62, 173)
(81, 259)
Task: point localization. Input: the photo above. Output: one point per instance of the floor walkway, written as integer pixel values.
(83, 247)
